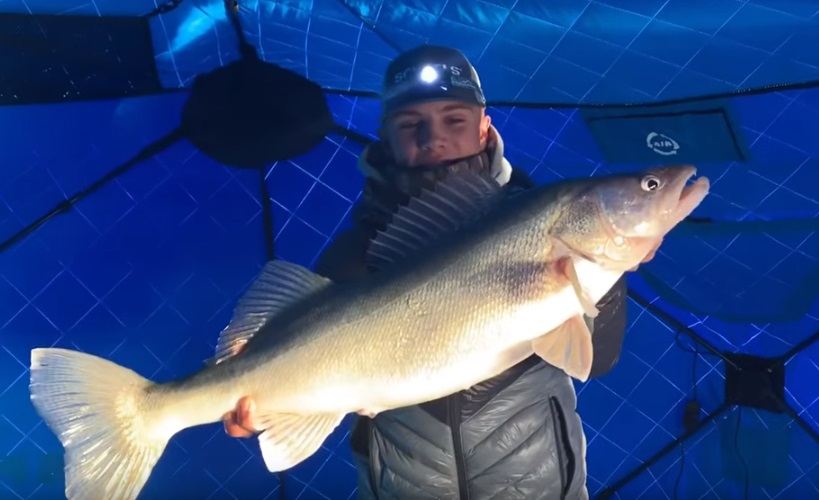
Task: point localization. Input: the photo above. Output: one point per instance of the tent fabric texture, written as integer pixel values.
(156, 154)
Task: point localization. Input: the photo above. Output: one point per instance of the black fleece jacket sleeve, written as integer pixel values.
(609, 329)
(344, 258)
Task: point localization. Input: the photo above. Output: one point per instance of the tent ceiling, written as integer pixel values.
(563, 51)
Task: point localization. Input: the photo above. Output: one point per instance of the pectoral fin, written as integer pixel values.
(289, 439)
(566, 267)
(568, 347)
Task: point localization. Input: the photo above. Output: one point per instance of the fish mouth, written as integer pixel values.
(693, 190)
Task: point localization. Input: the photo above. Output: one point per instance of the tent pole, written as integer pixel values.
(609, 491)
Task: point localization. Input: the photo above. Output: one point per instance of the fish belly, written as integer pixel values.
(429, 342)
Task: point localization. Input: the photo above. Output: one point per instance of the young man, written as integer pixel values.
(514, 436)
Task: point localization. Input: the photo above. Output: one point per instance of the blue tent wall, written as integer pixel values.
(145, 271)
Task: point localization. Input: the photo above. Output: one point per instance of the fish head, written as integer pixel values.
(619, 220)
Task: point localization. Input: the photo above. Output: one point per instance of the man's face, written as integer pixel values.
(437, 131)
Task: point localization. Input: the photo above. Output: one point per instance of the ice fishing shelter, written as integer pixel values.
(156, 154)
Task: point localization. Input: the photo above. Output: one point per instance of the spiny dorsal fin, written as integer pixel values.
(279, 285)
(453, 202)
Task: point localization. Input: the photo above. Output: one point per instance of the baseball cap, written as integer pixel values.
(429, 73)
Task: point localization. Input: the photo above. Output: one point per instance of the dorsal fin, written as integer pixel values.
(454, 201)
(279, 285)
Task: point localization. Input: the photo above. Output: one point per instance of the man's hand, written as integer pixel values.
(239, 422)
(648, 257)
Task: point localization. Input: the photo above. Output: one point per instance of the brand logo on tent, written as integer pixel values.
(662, 144)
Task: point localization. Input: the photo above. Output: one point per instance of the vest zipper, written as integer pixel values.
(454, 404)
(565, 463)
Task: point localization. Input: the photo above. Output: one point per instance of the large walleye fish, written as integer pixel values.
(471, 283)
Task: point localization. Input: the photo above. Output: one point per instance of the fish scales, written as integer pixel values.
(442, 322)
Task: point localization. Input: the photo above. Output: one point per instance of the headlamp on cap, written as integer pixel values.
(430, 73)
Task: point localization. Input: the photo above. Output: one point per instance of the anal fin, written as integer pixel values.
(568, 347)
(289, 438)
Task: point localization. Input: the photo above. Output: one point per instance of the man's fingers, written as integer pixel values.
(236, 431)
(652, 253)
(238, 422)
(233, 428)
(243, 410)
(245, 413)
(647, 258)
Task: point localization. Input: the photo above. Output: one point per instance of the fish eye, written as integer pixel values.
(650, 183)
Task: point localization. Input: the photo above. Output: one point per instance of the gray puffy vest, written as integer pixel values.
(516, 436)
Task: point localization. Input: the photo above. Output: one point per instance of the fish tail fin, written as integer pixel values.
(101, 413)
